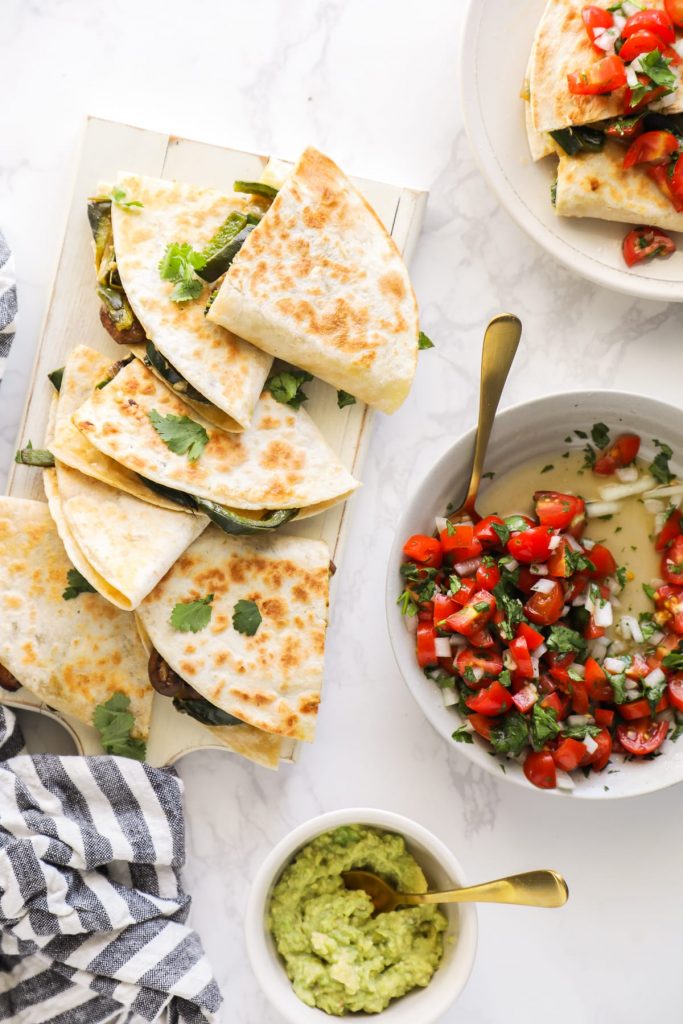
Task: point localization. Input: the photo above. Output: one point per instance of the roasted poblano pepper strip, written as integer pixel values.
(225, 518)
(119, 313)
(576, 140)
(256, 188)
(56, 377)
(219, 262)
(30, 456)
(205, 712)
(99, 219)
(158, 362)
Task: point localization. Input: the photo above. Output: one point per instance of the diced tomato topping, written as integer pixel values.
(539, 768)
(476, 661)
(533, 638)
(423, 550)
(592, 632)
(635, 709)
(475, 614)
(545, 608)
(674, 8)
(602, 77)
(558, 703)
(558, 510)
(626, 129)
(670, 530)
(484, 532)
(525, 698)
(558, 666)
(596, 20)
(579, 695)
(675, 691)
(465, 591)
(596, 680)
(622, 452)
(460, 542)
(664, 183)
(657, 22)
(488, 576)
(558, 563)
(651, 149)
(569, 754)
(533, 545)
(603, 717)
(646, 243)
(443, 607)
(603, 560)
(642, 736)
(672, 562)
(494, 700)
(482, 638)
(520, 652)
(483, 725)
(601, 756)
(645, 42)
(426, 648)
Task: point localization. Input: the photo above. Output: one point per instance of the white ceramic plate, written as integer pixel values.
(496, 43)
(521, 433)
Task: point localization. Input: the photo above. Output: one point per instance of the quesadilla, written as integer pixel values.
(216, 373)
(319, 283)
(279, 468)
(64, 643)
(241, 621)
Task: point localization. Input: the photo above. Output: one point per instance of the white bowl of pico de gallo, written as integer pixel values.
(544, 641)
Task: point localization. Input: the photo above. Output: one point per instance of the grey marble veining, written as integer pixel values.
(375, 84)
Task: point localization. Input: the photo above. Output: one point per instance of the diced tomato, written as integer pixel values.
(672, 562)
(676, 185)
(484, 532)
(603, 560)
(674, 8)
(579, 695)
(620, 453)
(670, 530)
(660, 176)
(526, 580)
(638, 668)
(545, 609)
(657, 22)
(474, 616)
(482, 638)
(443, 607)
(645, 42)
(602, 77)
(603, 717)
(533, 638)
(643, 736)
(460, 542)
(423, 550)
(626, 129)
(558, 563)
(596, 19)
(520, 652)
(494, 700)
(651, 149)
(490, 664)
(558, 703)
(539, 769)
(558, 666)
(576, 585)
(662, 703)
(483, 725)
(525, 698)
(569, 754)
(601, 756)
(646, 243)
(488, 576)
(464, 593)
(635, 709)
(558, 510)
(426, 648)
(531, 546)
(675, 691)
(592, 632)
(596, 681)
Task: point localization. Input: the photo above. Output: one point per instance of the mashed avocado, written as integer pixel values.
(338, 957)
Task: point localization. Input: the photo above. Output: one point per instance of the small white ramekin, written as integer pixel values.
(443, 871)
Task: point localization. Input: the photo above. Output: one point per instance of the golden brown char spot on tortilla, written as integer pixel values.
(188, 668)
(290, 658)
(190, 649)
(30, 656)
(344, 325)
(13, 601)
(300, 593)
(392, 285)
(258, 699)
(219, 623)
(269, 423)
(278, 454)
(116, 658)
(275, 608)
(298, 622)
(594, 184)
(308, 703)
(220, 659)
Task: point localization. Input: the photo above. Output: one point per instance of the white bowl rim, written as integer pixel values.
(395, 622)
(260, 957)
(576, 260)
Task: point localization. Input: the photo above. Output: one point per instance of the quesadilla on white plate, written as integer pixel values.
(320, 284)
(279, 468)
(58, 638)
(241, 621)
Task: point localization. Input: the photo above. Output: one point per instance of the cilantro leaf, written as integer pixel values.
(118, 196)
(674, 660)
(287, 387)
(408, 602)
(563, 640)
(191, 616)
(618, 684)
(502, 532)
(649, 591)
(246, 618)
(77, 585)
(579, 732)
(462, 735)
(659, 467)
(676, 731)
(115, 722)
(423, 341)
(344, 399)
(512, 608)
(178, 264)
(600, 434)
(181, 434)
(511, 736)
(578, 561)
(543, 726)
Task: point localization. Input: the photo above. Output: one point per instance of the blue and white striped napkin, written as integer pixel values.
(92, 911)
(8, 301)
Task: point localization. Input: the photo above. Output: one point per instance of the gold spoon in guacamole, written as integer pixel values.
(500, 345)
(531, 889)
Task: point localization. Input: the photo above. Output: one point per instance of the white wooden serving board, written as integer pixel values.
(73, 319)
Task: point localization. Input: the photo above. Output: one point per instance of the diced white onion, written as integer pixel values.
(594, 509)
(598, 648)
(441, 523)
(613, 585)
(468, 567)
(627, 474)
(589, 603)
(579, 601)
(656, 638)
(572, 542)
(632, 77)
(629, 8)
(554, 542)
(616, 603)
(536, 666)
(614, 665)
(449, 696)
(602, 616)
(544, 586)
(477, 673)
(509, 662)
(588, 544)
(660, 521)
(458, 640)
(654, 505)
(540, 650)
(538, 569)
(410, 623)
(442, 646)
(565, 781)
(665, 492)
(606, 39)
(654, 678)
(579, 720)
(617, 647)
(615, 492)
(630, 627)
(619, 22)
(631, 685)
(509, 563)
(579, 670)
(590, 744)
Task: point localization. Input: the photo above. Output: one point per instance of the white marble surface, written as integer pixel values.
(374, 82)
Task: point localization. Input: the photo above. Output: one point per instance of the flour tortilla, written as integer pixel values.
(72, 654)
(84, 369)
(271, 680)
(226, 370)
(560, 47)
(596, 185)
(281, 461)
(322, 285)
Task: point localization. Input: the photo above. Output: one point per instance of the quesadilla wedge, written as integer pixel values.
(319, 283)
(242, 621)
(279, 468)
(217, 373)
(60, 640)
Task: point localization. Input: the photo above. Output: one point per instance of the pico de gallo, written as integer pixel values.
(518, 620)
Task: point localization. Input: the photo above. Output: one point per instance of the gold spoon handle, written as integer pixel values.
(532, 889)
(500, 344)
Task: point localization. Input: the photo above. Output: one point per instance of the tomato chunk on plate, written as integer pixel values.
(539, 769)
(622, 452)
(646, 243)
(494, 700)
(643, 736)
(651, 149)
(600, 78)
(423, 550)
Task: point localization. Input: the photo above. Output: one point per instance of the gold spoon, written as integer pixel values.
(500, 344)
(531, 889)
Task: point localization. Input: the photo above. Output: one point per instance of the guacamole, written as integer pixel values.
(337, 955)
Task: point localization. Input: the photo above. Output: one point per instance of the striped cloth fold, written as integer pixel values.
(92, 911)
(8, 301)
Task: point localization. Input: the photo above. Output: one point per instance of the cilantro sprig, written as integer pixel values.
(114, 722)
(287, 387)
(178, 264)
(181, 434)
(659, 467)
(77, 584)
(246, 617)
(192, 616)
